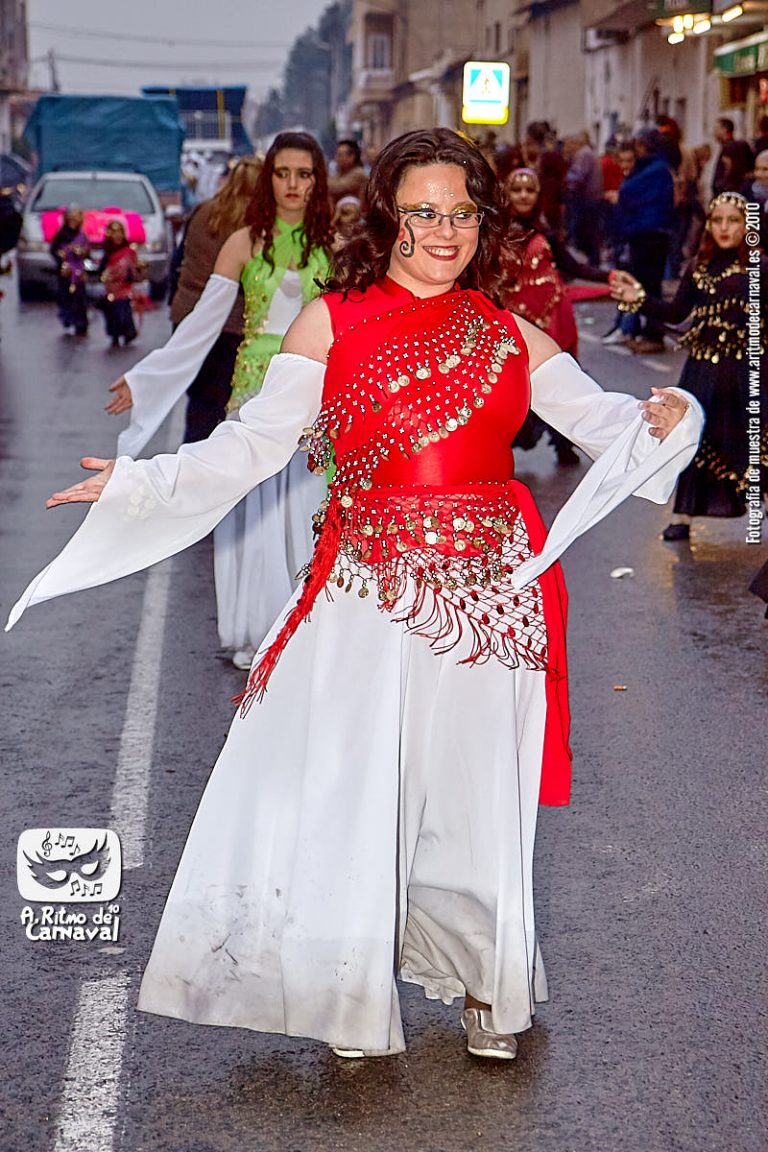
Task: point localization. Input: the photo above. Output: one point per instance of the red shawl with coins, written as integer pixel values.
(421, 402)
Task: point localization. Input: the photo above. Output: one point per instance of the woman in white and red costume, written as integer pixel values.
(373, 814)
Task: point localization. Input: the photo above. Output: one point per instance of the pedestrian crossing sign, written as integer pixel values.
(486, 92)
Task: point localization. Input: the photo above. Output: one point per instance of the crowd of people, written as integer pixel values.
(584, 225)
(406, 710)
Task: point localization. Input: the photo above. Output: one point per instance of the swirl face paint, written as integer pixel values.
(432, 251)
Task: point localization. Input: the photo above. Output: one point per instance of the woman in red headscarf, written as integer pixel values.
(537, 267)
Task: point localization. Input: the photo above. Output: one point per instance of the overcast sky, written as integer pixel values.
(164, 42)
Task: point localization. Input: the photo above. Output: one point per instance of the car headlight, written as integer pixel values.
(155, 246)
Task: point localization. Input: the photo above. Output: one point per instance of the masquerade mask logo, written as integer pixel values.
(68, 865)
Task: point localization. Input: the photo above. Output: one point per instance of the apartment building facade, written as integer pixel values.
(13, 62)
(580, 64)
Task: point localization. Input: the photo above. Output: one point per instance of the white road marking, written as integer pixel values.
(130, 791)
(88, 1112)
(655, 365)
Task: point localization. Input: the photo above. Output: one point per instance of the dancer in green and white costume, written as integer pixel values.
(261, 545)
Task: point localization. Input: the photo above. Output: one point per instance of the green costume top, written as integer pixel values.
(260, 282)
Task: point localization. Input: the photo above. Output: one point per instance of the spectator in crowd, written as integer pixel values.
(625, 326)
(646, 212)
(612, 174)
(670, 143)
(734, 162)
(70, 249)
(348, 213)
(542, 154)
(211, 223)
(508, 158)
(350, 178)
(584, 188)
(756, 188)
(689, 212)
(760, 144)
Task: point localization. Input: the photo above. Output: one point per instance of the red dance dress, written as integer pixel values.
(372, 813)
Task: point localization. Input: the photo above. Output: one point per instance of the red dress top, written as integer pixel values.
(421, 401)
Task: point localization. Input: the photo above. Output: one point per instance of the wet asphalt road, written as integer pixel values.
(651, 888)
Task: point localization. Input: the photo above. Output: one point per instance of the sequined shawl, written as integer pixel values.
(421, 403)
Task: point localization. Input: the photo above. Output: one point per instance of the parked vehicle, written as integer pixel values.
(109, 155)
(127, 196)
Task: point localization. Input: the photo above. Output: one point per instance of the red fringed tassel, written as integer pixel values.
(323, 560)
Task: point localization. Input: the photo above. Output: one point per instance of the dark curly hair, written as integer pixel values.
(365, 257)
(262, 210)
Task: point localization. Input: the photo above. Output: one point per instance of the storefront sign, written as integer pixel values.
(743, 57)
(666, 9)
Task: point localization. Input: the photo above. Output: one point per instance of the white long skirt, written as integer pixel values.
(373, 816)
(259, 548)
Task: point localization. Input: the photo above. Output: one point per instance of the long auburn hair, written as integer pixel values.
(262, 210)
(229, 206)
(708, 248)
(365, 257)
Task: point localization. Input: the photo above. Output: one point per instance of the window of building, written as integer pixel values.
(379, 51)
(379, 31)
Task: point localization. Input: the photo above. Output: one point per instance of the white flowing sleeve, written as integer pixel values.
(610, 429)
(151, 509)
(162, 378)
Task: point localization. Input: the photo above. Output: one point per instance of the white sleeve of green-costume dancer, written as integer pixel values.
(151, 509)
(162, 377)
(609, 427)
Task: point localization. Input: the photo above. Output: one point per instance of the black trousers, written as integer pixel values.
(118, 319)
(73, 306)
(647, 258)
(209, 392)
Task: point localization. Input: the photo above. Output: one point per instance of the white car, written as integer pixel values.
(129, 191)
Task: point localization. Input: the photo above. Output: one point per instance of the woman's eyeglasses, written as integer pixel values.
(428, 218)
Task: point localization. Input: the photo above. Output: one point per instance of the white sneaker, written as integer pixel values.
(243, 658)
(615, 337)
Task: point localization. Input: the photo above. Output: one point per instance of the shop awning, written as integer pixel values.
(628, 16)
(743, 57)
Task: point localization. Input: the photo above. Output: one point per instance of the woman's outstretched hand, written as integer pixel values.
(122, 400)
(624, 288)
(87, 491)
(664, 411)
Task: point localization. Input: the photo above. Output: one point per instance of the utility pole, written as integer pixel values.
(54, 82)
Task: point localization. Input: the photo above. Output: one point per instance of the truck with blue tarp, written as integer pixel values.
(114, 157)
(116, 133)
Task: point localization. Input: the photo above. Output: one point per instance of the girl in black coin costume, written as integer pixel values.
(714, 295)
